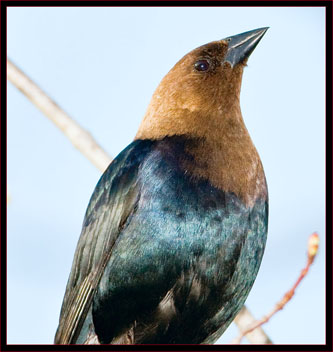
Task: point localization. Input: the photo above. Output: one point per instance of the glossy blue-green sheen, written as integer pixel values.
(182, 234)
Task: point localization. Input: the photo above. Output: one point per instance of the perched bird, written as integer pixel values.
(175, 230)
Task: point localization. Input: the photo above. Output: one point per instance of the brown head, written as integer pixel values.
(199, 98)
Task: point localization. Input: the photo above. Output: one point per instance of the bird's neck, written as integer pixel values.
(223, 154)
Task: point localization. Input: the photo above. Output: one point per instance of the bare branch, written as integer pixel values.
(79, 137)
(312, 251)
(243, 320)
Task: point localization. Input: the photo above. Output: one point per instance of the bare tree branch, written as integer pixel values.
(86, 144)
(80, 138)
(243, 320)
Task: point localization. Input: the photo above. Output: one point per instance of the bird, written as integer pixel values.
(175, 230)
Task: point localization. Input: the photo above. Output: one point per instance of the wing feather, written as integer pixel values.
(109, 209)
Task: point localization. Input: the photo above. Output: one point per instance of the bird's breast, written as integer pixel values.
(183, 221)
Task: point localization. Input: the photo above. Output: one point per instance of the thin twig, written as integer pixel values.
(86, 144)
(312, 251)
(80, 138)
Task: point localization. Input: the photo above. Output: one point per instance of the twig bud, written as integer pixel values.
(313, 245)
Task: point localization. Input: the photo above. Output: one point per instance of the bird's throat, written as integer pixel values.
(223, 152)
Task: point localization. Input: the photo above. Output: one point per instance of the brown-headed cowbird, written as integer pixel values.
(175, 231)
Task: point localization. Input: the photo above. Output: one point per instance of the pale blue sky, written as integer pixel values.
(102, 66)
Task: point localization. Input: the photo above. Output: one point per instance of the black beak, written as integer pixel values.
(240, 46)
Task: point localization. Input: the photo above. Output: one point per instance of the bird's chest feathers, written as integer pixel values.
(182, 218)
(188, 203)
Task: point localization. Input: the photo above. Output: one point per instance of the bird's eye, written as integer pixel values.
(202, 65)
